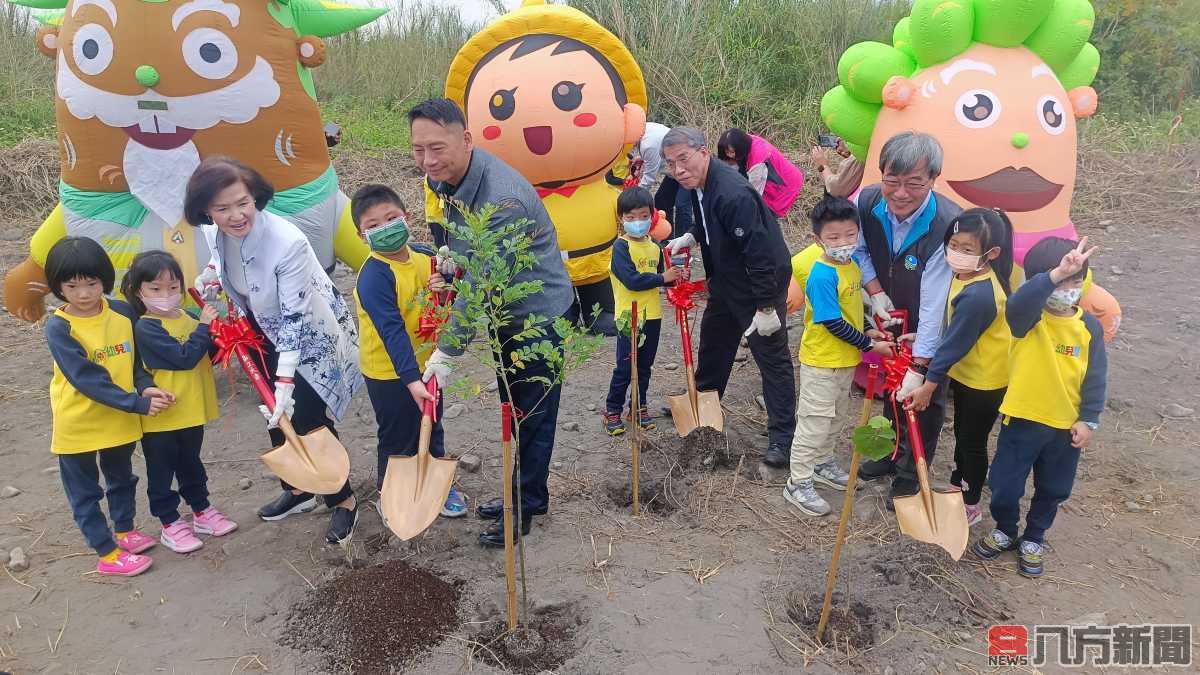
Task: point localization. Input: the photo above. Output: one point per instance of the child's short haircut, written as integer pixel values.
(78, 258)
(370, 196)
(832, 208)
(146, 266)
(634, 198)
(1047, 253)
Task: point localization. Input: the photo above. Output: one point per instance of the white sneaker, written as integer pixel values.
(831, 475)
(803, 496)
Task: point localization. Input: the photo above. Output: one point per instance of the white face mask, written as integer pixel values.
(841, 254)
(963, 263)
(1064, 299)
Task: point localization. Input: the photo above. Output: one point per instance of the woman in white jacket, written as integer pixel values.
(269, 270)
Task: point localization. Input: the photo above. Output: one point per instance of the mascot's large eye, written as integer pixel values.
(503, 104)
(210, 53)
(568, 95)
(1050, 114)
(977, 109)
(92, 48)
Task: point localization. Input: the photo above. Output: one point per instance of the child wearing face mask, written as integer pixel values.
(1058, 370)
(637, 274)
(392, 355)
(174, 348)
(830, 349)
(973, 353)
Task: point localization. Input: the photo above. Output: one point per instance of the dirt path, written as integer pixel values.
(719, 579)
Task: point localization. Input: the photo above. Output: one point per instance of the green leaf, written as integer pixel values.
(876, 439)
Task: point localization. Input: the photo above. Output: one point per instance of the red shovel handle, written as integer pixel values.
(430, 410)
(914, 436)
(506, 418)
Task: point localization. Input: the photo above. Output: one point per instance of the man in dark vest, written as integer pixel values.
(903, 261)
(748, 268)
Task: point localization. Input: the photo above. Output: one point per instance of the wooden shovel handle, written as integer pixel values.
(510, 569)
(635, 404)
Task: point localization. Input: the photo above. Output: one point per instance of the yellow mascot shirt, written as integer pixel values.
(586, 223)
(175, 353)
(388, 295)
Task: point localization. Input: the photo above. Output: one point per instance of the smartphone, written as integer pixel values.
(333, 134)
(828, 140)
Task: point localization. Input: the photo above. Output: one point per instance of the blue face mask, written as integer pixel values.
(637, 228)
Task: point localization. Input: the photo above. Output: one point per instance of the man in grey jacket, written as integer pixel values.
(465, 177)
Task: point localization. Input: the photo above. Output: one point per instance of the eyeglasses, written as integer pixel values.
(682, 161)
(911, 186)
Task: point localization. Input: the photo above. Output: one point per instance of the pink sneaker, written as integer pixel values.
(126, 565)
(135, 542)
(211, 521)
(178, 537)
(974, 514)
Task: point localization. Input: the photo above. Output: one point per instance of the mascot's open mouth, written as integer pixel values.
(539, 140)
(1011, 189)
(157, 133)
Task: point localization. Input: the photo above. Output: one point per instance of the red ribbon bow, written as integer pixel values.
(681, 293)
(564, 191)
(229, 335)
(435, 314)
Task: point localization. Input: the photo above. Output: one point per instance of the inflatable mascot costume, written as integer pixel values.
(559, 98)
(1000, 84)
(145, 88)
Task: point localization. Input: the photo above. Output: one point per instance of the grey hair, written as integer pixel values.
(906, 150)
(693, 137)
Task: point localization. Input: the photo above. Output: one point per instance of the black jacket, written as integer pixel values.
(745, 256)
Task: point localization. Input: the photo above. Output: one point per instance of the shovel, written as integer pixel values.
(934, 517)
(415, 488)
(635, 405)
(696, 408)
(316, 462)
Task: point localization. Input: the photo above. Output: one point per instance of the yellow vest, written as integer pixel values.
(1046, 371)
(818, 347)
(194, 390)
(985, 367)
(80, 423)
(412, 283)
(645, 255)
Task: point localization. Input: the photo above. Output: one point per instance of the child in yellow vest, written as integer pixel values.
(636, 274)
(1057, 377)
(174, 348)
(830, 349)
(97, 393)
(973, 353)
(392, 355)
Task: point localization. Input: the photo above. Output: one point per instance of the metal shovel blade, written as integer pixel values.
(708, 407)
(316, 462)
(941, 521)
(682, 414)
(414, 491)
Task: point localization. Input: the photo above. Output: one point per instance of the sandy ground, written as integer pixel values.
(717, 581)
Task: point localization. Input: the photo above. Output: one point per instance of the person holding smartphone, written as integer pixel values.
(843, 181)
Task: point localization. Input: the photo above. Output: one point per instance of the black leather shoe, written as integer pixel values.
(493, 536)
(493, 509)
(777, 456)
(876, 469)
(286, 504)
(901, 487)
(341, 524)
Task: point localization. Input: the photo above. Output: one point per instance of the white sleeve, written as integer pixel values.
(757, 175)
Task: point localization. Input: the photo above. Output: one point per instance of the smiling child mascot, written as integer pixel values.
(560, 99)
(144, 89)
(1000, 83)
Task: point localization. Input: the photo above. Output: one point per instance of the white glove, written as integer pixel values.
(208, 282)
(438, 366)
(912, 381)
(679, 243)
(882, 307)
(766, 322)
(445, 263)
(284, 404)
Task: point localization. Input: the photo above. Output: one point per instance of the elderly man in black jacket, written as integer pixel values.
(748, 268)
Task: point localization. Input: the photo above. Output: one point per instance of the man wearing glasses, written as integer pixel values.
(901, 253)
(748, 268)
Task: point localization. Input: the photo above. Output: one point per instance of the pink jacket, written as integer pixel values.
(784, 180)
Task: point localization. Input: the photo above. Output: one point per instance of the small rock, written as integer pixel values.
(570, 426)
(671, 366)
(1117, 405)
(1105, 223)
(591, 407)
(1176, 411)
(741, 357)
(557, 466)
(245, 483)
(470, 462)
(454, 411)
(492, 386)
(9, 491)
(50, 470)
(769, 474)
(17, 561)
(1132, 506)
(762, 402)
(1117, 271)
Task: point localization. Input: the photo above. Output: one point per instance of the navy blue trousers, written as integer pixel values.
(618, 387)
(1025, 446)
(80, 473)
(399, 422)
(175, 456)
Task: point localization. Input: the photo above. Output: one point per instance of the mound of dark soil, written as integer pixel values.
(853, 625)
(544, 645)
(375, 620)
